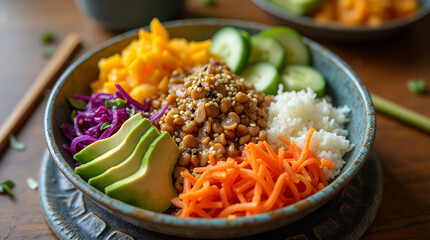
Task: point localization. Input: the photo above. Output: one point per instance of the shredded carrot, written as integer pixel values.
(261, 180)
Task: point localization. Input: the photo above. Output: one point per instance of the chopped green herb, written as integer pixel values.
(118, 103)
(108, 104)
(73, 115)
(77, 103)
(32, 184)
(48, 52)
(105, 126)
(15, 144)
(417, 86)
(6, 187)
(208, 2)
(132, 111)
(209, 15)
(47, 37)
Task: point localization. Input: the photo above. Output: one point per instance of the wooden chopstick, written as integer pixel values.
(31, 98)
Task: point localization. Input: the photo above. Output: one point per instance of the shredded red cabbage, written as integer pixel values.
(86, 126)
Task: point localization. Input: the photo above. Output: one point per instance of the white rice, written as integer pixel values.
(292, 114)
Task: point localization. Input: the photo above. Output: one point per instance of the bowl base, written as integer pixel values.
(71, 215)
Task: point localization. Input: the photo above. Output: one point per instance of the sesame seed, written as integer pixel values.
(216, 104)
(177, 140)
(193, 115)
(216, 135)
(176, 116)
(199, 85)
(188, 151)
(199, 89)
(207, 89)
(216, 84)
(207, 104)
(252, 124)
(195, 152)
(220, 95)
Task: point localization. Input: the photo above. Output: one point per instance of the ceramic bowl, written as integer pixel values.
(342, 85)
(309, 27)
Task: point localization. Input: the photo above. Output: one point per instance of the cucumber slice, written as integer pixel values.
(299, 77)
(264, 76)
(267, 49)
(247, 39)
(297, 7)
(296, 50)
(229, 45)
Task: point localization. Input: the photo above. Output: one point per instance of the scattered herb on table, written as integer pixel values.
(32, 184)
(6, 187)
(208, 2)
(47, 37)
(417, 86)
(48, 52)
(15, 144)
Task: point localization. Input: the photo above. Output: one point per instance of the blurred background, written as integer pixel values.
(385, 65)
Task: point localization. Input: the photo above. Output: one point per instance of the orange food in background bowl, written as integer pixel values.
(370, 12)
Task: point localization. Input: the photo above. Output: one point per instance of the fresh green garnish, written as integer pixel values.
(48, 52)
(15, 144)
(47, 37)
(208, 2)
(77, 103)
(32, 184)
(73, 115)
(108, 104)
(105, 126)
(417, 86)
(132, 111)
(6, 187)
(209, 15)
(118, 104)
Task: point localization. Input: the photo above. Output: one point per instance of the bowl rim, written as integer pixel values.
(122, 208)
(311, 23)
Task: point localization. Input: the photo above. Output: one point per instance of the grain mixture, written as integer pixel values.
(211, 112)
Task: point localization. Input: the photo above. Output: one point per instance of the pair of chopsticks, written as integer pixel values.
(31, 98)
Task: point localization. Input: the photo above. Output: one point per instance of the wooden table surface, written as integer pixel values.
(384, 66)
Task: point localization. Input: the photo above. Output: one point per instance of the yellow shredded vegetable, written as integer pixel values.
(144, 66)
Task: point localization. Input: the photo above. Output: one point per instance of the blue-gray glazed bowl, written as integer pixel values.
(342, 85)
(309, 27)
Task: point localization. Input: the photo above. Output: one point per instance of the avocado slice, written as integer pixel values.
(100, 147)
(116, 155)
(128, 166)
(151, 186)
